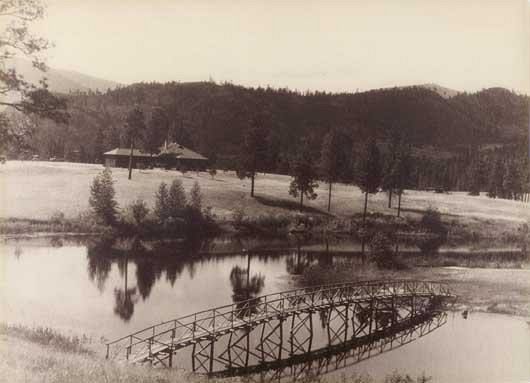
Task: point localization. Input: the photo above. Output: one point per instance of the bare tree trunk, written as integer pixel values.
(248, 275)
(399, 202)
(301, 200)
(329, 198)
(390, 198)
(365, 206)
(131, 159)
(252, 184)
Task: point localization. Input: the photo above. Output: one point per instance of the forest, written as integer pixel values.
(470, 141)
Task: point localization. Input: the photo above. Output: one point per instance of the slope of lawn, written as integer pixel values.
(37, 190)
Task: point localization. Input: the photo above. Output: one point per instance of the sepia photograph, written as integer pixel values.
(296, 191)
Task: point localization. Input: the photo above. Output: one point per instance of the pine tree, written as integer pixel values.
(496, 178)
(304, 174)
(135, 127)
(176, 199)
(329, 161)
(512, 183)
(253, 152)
(403, 172)
(389, 180)
(196, 197)
(369, 173)
(101, 198)
(162, 203)
(156, 130)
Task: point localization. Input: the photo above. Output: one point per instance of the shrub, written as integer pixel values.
(238, 216)
(381, 245)
(196, 197)
(101, 198)
(57, 218)
(432, 222)
(162, 203)
(194, 222)
(139, 211)
(212, 172)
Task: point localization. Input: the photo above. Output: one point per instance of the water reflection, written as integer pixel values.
(125, 298)
(112, 287)
(335, 357)
(150, 262)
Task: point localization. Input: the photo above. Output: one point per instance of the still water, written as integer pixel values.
(106, 290)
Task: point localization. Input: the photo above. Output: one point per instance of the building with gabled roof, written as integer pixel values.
(177, 156)
(170, 156)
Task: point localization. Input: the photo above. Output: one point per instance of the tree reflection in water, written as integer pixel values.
(245, 287)
(151, 260)
(125, 298)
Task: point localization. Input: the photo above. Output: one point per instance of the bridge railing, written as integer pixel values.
(201, 325)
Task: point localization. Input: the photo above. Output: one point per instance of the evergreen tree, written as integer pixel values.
(101, 198)
(135, 125)
(403, 172)
(389, 180)
(304, 174)
(176, 199)
(496, 180)
(196, 197)
(157, 129)
(162, 203)
(253, 152)
(329, 161)
(369, 173)
(512, 184)
(477, 176)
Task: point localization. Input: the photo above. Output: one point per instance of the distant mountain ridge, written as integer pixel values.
(61, 81)
(441, 90)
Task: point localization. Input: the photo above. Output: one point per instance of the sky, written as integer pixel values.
(304, 45)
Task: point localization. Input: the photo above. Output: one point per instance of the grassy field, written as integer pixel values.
(37, 190)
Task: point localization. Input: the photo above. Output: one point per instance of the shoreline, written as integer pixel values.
(273, 226)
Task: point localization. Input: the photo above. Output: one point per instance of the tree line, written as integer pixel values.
(372, 171)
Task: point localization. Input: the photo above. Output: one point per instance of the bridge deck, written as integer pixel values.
(170, 336)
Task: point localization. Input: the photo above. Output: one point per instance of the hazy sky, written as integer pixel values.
(327, 45)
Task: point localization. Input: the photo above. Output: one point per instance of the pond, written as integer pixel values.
(106, 289)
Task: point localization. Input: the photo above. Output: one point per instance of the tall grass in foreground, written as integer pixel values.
(46, 336)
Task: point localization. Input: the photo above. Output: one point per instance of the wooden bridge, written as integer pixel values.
(273, 327)
(327, 359)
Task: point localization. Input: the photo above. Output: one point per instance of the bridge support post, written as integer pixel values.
(211, 355)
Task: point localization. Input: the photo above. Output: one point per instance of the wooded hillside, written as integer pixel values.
(211, 118)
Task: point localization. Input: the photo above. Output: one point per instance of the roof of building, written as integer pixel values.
(127, 152)
(173, 150)
(180, 152)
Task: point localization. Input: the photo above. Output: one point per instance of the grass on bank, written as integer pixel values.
(44, 355)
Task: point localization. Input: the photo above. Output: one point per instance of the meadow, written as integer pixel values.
(41, 190)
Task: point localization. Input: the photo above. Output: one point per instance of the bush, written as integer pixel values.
(238, 216)
(101, 198)
(381, 245)
(139, 211)
(57, 218)
(212, 172)
(432, 222)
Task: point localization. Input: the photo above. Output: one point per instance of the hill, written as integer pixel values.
(211, 119)
(442, 91)
(60, 81)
